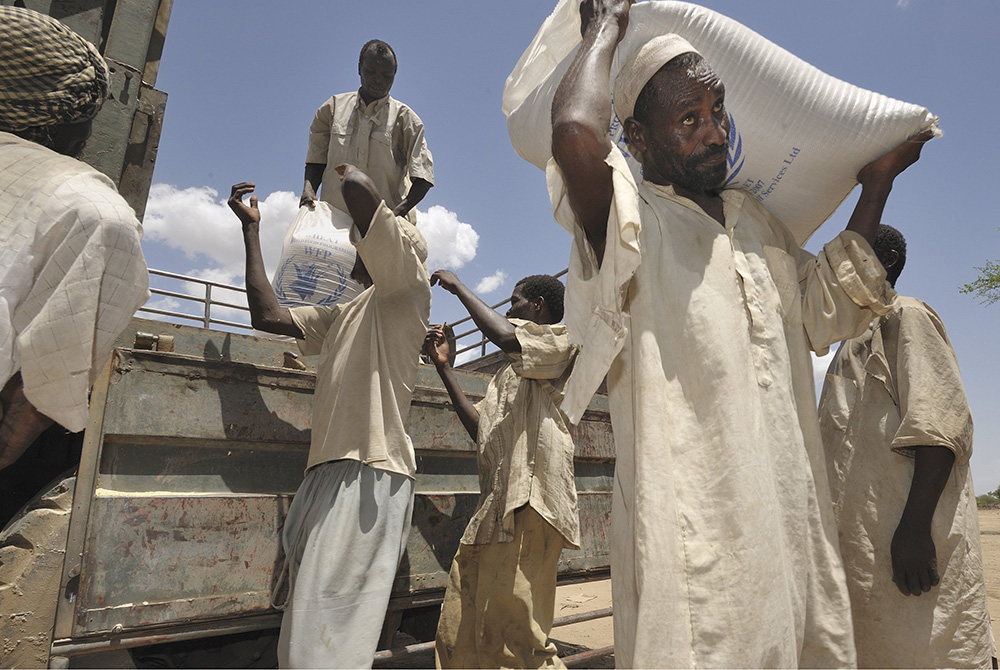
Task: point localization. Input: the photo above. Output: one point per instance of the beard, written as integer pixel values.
(695, 172)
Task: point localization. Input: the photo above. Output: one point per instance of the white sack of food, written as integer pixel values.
(316, 259)
(798, 138)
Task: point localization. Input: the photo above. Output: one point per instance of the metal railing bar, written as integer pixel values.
(422, 647)
(197, 280)
(232, 324)
(163, 312)
(173, 294)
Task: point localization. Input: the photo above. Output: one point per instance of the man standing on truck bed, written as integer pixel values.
(72, 272)
(498, 608)
(376, 133)
(701, 309)
(349, 522)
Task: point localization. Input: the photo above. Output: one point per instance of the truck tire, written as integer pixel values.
(32, 549)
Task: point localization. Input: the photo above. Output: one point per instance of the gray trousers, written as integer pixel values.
(344, 536)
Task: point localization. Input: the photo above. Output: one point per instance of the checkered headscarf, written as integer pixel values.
(48, 74)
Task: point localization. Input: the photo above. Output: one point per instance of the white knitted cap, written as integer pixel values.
(641, 67)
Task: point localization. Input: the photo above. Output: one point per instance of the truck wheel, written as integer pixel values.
(32, 548)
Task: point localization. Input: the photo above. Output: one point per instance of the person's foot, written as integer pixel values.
(21, 424)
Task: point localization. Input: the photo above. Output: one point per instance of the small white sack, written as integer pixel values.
(798, 138)
(316, 259)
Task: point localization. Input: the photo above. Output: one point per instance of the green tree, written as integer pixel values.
(987, 285)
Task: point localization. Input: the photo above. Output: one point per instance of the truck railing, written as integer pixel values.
(202, 298)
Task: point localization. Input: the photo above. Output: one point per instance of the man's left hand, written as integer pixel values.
(447, 279)
(889, 166)
(914, 561)
(247, 215)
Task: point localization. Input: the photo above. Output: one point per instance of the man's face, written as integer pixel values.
(686, 139)
(377, 75)
(521, 307)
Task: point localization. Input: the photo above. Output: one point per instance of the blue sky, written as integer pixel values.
(244, 78)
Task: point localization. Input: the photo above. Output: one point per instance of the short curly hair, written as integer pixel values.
(547, 287)
(888, 239)
(381, 49)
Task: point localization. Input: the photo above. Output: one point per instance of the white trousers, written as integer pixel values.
(344, 536)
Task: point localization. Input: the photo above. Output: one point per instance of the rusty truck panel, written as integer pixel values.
(190, 462)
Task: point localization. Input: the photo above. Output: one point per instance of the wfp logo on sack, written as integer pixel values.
(735, 156)
(302, 287)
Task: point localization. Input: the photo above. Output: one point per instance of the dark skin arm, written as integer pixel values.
(581, 114)
(313, 179)
(436, 346)
(495, 327)
(418, 189)
(360, 194)
(876, 180)
(914, 561)
(265, 312)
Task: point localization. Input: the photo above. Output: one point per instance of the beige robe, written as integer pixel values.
(525, 448)
(384, 138)
(896, 387)
(724, 550)
(369, 353)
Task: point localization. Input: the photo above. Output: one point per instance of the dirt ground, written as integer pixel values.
(595, 634)
(989, 533)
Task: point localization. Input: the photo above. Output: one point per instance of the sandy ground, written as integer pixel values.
(594, 634)
(989, 532)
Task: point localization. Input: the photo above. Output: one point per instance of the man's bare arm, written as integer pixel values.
(312, 182)
(360, 194)
(265, 312)
(876, 180)
(914, 559)
(581, 114)
(494, 326)
(436, 346)
(418, 189)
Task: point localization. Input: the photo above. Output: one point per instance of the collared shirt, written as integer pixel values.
(722, 527)
(72, 274)
(525, 448)
(369, 353)
(894, 388)
(384, 139)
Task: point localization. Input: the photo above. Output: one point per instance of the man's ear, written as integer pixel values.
(891, 258)
(541, 309)
(635, 133)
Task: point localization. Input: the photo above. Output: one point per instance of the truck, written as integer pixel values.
(165, 540)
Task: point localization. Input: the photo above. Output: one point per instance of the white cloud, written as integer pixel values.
(450, 243)
(492, 282)
(199, 223)
(902, 4)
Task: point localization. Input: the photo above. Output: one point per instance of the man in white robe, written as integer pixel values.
(72, 272)
(701, 309)
(898, 436)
